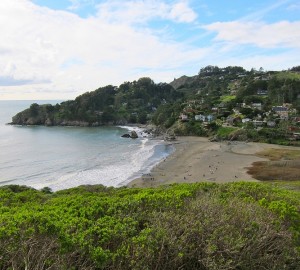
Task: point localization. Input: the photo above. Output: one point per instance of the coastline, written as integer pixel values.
(196, 159)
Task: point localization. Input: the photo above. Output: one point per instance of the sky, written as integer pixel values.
(59, 49)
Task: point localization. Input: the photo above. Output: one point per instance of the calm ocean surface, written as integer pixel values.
(64, 157)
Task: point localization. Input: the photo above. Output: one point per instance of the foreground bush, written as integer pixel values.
(187, 226)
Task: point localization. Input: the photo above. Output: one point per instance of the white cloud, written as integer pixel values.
(57, 54)
(60, 51)
(76, 4)
(142, 11)
(279, 34)
(181, 12)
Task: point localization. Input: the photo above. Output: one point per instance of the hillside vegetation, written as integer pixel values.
(263, 105)
(186, 226)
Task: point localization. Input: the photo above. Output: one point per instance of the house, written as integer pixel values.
(256, 106)
(258, 123)
(204, 118)
(262, 92)
(282, 111)
(209, 118)
(246, 120)
(271, 123)
(200, 117)
(183, 117)
(98, 113)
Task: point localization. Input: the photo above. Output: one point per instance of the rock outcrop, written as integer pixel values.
(133, 135)
(126, 135)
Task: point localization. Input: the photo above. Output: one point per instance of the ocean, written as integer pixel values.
(65, 157)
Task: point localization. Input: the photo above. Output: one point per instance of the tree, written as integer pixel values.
(34, 109)
(142, 118)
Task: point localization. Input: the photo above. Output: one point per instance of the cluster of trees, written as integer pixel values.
(215, 70)
(130, 102)
(187, 226)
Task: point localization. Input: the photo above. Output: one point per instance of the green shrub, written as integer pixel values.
(182, 226)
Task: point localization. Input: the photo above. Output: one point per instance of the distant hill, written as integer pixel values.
(182, 81)
(225, 96)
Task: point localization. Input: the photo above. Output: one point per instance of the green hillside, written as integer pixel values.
(198, 105)
(186, 226)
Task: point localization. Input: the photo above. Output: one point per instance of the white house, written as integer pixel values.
(257, 106)
(209, 118)
(184, 117)
(246, 120)
(200, 117)
(271, 123)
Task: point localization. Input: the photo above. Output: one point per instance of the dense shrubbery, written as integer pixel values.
(187, 226)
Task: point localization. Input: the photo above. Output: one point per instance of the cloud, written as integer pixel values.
(60, 50)
(181, 12)
(77, 4)
(135, 11)
(53, 53)
(280, 34)
(10, 81)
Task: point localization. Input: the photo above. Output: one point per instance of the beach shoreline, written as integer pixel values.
(196, 159)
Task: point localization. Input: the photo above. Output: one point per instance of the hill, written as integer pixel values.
(262, 105)
(132, 102)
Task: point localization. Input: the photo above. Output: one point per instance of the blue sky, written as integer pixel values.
(58, 49)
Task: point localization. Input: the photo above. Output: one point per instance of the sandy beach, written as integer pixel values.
(196, 159)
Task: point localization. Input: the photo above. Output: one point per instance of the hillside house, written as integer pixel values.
(258, 123)
(246, 120)
(200, 117)
(183, 117)
(204, 118)
(282, 111)
(257, 106)
(271, 123)
(209, 118)
(262, 92)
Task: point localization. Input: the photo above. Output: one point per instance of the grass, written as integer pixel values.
(284, 164)
(279, 154)
(289, 185)
(227, 98)
(288, 75)
(224, 132)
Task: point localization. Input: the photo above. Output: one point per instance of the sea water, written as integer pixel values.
(64, 157)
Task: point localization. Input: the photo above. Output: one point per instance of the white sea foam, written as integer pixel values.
(118, 174)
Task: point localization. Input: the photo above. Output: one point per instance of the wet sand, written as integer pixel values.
(196, 159)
